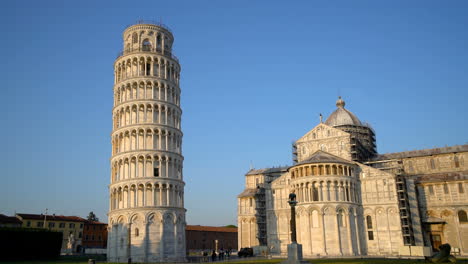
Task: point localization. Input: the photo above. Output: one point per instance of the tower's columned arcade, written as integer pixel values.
(146, 214)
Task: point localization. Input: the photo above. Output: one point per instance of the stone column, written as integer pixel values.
(348, 228)
(324, 237)
(358, 238)
(338, 235)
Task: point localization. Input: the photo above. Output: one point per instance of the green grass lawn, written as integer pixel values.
(253, 261)
(337, 261)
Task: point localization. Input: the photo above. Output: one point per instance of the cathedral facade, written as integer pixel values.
(353, 201)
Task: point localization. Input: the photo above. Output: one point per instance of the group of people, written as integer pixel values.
(220, 256)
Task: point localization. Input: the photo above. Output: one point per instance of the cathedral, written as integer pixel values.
(353, 201)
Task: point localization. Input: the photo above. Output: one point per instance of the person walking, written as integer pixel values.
(213, 256)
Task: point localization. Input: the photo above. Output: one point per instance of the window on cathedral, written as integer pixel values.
(135, 38)
(432, 164)
(250, 202)
(370, 232)
(446, 189)
(457, 161)
(137, 232)
(315, 195)
(156, 172)
(460, 187)
(462, 217)
(431, 189)
(369, 222)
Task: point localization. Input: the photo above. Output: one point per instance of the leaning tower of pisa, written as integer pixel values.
(147, 214)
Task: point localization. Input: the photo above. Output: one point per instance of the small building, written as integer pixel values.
(9, 221)
(200, 238)
(94, 235)
(70, 226)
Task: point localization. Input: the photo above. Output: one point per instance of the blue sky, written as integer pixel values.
(255, 76)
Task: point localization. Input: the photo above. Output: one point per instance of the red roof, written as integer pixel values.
(9, 220)
(211, 228)
(87, 222)
(51, 217)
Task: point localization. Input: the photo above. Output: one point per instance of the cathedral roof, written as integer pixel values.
(341, 116)
(324, 157)
(248, 193)
(421, 152)
(267, 170)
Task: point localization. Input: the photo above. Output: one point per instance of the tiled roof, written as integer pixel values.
(51, 217)
(9, 220)
(324, 157)
(94, 223)
(247, 193)
(422, 152)
(267, 170)
(211, 228)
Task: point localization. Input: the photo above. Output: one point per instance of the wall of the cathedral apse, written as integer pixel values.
(381, 221)
(328, 211)
(325, 138)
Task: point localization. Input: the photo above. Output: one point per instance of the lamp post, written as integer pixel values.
(292, 202)
(294, 249)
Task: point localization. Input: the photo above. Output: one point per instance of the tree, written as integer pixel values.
(231, 226)
(92, 217)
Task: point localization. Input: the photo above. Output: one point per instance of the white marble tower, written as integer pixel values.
(147, 214)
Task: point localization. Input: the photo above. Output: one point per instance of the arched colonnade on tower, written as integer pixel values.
(149, 65)
(146, 138)
(147, 90)
(145, 166)
(134, 195)
(146, 113)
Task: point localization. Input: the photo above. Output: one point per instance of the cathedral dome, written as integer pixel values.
(341, 116)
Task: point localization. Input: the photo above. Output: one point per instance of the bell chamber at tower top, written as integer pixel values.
(147, 53)
(156, 38)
